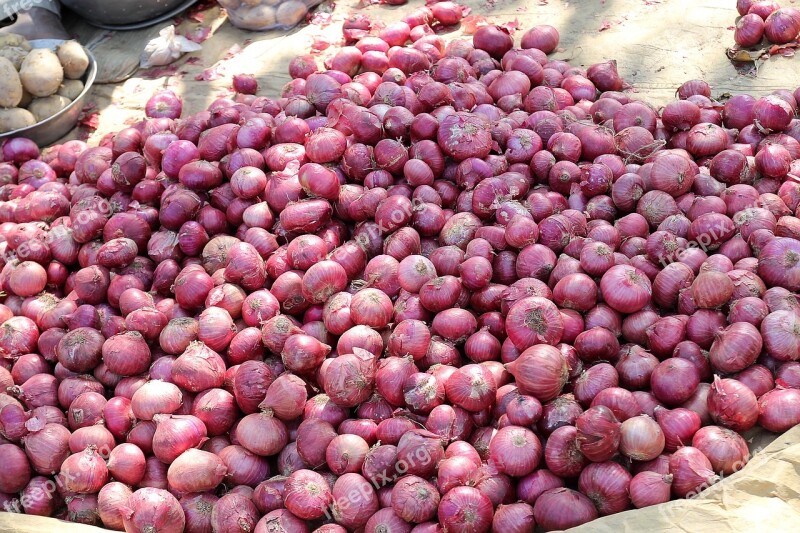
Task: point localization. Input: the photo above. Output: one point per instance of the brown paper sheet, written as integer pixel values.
(22, 523)
(763, 497)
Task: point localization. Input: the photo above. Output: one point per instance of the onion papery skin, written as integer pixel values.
(732, 404)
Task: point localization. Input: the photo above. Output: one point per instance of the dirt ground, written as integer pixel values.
(658, 44)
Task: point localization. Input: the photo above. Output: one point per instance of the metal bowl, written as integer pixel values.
(51, 129)
(126, 14)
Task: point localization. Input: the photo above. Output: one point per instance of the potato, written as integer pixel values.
(230, 4)
(13, 39)
(15, 118)
(10, 86)
(290, 13)
(15, 54)
(253, 18)
(26, 99)
(41, 72)
(73, 58)
(48, 106)
(71, 89)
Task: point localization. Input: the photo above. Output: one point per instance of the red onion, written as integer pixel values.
(92, 436)
(674, 381)
(711, 290)
(85, 472)
(574, 291)
(515, 517)
(37, 497)
(736, 348)
(465, 509)
(524, 410)
(234, 512)
(18, 470)
(414, 499)
(758, 378)
(515, 451)
(732, 404)
(307, 495)
(268, 494)
(111, 500)
(349, 515)
(778, 409)
(346, 454)
(650, 488)
(542, 37)
(456, 471)
(12, 423)
(635, 366)
(678, 425)
(216, 408)
(197, 509)
(626, 289)
(313, 438)
(421, 450)
(541, 371)
(252, 428)
(691, 472)
(126, 463)
(155, 397)
(779, 334)
(198, 369)
(196, 471)
(175, 434)
(215, 328)
(562, 454)
(593, 380)
(563, 508)
(377, 231)
(47, 447)
(782, 25)
(607, 485)
(126, 354)
(535, 484)
(80, 349)
(598, 433)
(243, 467)
(787, 375)
(82, 509)
(86, 410)
(286, 397)
(726, 450)
(141, 435)
(772, 112)
(386, 520)
(471, 387)
(350, 377)
(282, 521)
(641, 438)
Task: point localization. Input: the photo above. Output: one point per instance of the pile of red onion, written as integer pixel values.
(434, 286)
(765, 20)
